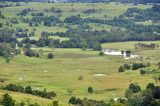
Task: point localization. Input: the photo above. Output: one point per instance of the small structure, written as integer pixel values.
(125, 54)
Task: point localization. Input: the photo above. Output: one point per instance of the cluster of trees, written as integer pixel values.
(149, 97)
(31, 53)
(124, 67)
(24, 12)
(84, 36)
(48, 21)
(5, 49)
(135, 96)
(19, 33)
(146, 46)
(144, 15)
(2, 5)
(86, 102)
(29, 90)
(6, 35)
(89, 11)
(7, 100)
(134, 66)
(75, 42)
(56, 10)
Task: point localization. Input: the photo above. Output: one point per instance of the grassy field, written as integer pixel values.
(61, 73)
(126, 45)
(110, 10)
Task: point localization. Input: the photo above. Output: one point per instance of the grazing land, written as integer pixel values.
(72, 68)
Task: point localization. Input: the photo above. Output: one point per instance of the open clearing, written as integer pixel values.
(56, 75)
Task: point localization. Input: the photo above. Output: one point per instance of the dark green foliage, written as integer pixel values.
(127, 66)
(11, 87)
(28, 90)
(128, 53)
(148, 99)
(156, 92)
(150, 86)
(90, 90)
(73, 100)
(145, 46)
(97, 46)
(7, 100)
(87, 102)
(50, 56)
(135, 100)
(121, 69)
(136, 66)
(134, 87)
(31, 53)
(142, 72)
(156, 8)
(73, 19)
(6, 35)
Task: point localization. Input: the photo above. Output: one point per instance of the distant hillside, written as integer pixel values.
(93, 1)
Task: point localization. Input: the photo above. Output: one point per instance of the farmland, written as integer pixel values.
(73, 68)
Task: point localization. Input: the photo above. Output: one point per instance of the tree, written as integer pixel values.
(90, 90)
(5, 49)
(11, 87)
(150, 86)
(50, 56)
(142, 72)
(97, 46)
(73, 100)
(28, 90)
(134, 87)
(101, 53)
(127, 66)
(128, 53)
(148, 99)
(135, 100)
(121, 69)
(7, 100)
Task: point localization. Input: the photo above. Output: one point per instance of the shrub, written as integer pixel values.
(136, 66)
(121, 69)
(7, 100)
(150, 86)
(101, 53)
(134, 87)
(80, 78)
(142, 72)
(73, 100)
(127, 66)
(28, 90)
(90, 90)
(50, 56)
